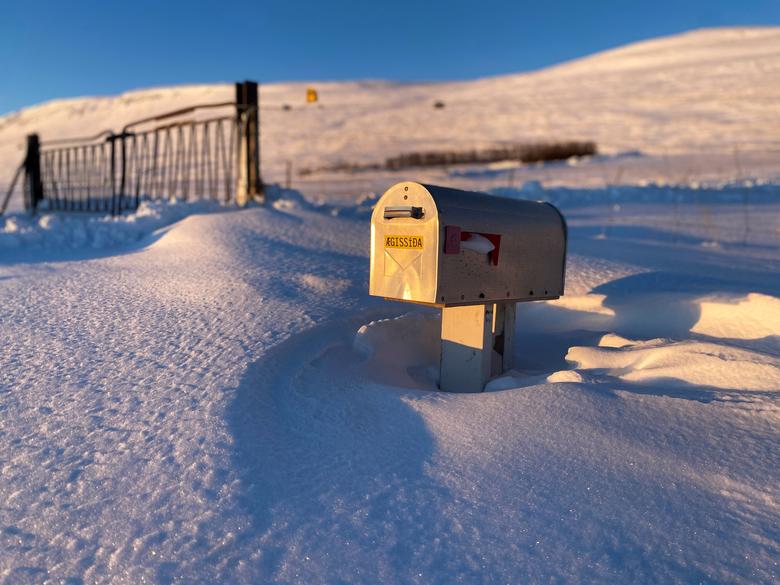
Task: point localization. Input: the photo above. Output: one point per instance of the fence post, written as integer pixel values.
(122, 170)
(112, 170)
(33, 186)
(249, 184)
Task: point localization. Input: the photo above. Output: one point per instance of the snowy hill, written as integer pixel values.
(707, 92)
(194, 393)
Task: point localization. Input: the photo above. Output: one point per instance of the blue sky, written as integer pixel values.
(51, 49)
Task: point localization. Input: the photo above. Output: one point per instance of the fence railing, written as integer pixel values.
(179, 154)
(7, 191)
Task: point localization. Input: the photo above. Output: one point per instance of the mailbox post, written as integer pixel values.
(476, 345)
(474, 256)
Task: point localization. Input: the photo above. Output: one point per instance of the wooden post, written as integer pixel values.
(466, 348)
(476, 345)
(249, 182)
(33, 191)
(503, 337)
(112, 166)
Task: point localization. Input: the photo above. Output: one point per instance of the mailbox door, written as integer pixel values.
(405, 245)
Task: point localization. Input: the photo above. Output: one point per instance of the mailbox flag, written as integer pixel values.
(311, 95)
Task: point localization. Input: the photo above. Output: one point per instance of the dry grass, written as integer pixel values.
(526, 153)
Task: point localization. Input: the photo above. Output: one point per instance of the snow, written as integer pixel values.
(479, 244)
(200, 394)
(49, 230)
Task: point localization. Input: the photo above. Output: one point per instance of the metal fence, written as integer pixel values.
(183, 154)
(7, 191)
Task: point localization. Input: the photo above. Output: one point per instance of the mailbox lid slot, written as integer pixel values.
(410, 211)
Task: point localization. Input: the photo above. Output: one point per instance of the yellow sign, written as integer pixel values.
(311, 95)
(404, 242)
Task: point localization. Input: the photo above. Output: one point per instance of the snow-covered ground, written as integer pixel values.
(198, 394)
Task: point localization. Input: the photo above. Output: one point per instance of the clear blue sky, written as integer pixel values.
(51, 49)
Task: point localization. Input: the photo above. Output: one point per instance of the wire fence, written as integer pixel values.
(726, 216)
(8, 191)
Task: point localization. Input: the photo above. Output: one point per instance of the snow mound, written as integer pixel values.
(613, 340)
(564, 376)
(693, 353)
(753, 317)
(403, 351)
(289, 200)
(74, 231)
(692, 363)
(323, 285)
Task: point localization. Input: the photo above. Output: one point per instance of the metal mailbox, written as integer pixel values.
(474, 255)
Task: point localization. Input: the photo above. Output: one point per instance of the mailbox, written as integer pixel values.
(473, 255)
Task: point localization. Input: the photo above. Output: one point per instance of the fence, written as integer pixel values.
(164, 156)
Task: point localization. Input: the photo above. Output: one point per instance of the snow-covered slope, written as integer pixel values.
(705, 92)
(221, 402)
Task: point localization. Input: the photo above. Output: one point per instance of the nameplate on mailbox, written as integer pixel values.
(404, 242)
